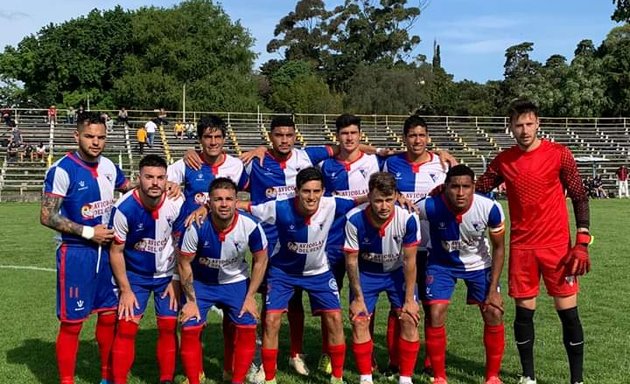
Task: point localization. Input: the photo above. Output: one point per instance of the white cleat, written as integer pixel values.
(299, 365)
(526, 380)
(256, 374)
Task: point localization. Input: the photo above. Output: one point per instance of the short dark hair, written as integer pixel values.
(308, 174)
(460, 170)
(346, 120)
(414, 121)
(383, 182)
(222, 183)
(88, 118)
(152, 161)
(522, 107)
(212, 122)
(282, 121)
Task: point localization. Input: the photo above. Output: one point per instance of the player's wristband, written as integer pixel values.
(87, 232)
(583, 238)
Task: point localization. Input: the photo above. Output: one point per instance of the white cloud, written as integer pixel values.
(483, 46)
(13, 15)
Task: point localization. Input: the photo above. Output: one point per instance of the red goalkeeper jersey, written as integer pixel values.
(535, 183)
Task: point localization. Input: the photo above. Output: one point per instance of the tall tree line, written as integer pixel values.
(357, 57)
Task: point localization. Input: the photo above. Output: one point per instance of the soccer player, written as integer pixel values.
(536, 173)
(459, 250)
(77, 199)
(380, 248)
(346, 174)
(211, 131)
(213, 271)
(417, 171)
(142, 260)
(299, 262)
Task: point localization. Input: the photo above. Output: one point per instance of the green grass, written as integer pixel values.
(29, 325)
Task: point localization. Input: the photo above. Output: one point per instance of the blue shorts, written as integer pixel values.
(143, 291)
(230, 297)
(322, 291)
(440, 284)
(393, 284)
(84, 282)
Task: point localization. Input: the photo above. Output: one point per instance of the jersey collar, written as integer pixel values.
(155, 212)
(222, 234)
(415, 166)
(458, 216)
(91, 167)
(382, 228)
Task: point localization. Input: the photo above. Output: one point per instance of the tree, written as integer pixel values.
(584, 86)
(622, 11)
(615, 55)
(522, 74)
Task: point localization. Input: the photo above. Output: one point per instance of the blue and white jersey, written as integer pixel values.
(197, 182)
(146, 233)
(349, 179)
(87, 190)
(301, 247)
(416, 180)
(275, 179)
(459, 240)
(381, 248)
(219, 255)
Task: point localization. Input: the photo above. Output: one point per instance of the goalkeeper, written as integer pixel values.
(537, 173)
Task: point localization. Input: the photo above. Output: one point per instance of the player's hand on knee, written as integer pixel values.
(173, 293)
(358, 310)
(494, 300)
(102, 234)
(126, 304)
(190, 310)
(250, 306)
(411, 309)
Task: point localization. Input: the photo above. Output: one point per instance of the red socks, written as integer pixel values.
(337, 358)
(166, 347)
(189, 350)
(228, 344)
(123, 350)
(494, 341)
(363, 356)
(245, 348)
(436, 349)
(408, 355)
(66, 348)
(269, 359)
(393, 334)
(105, 333)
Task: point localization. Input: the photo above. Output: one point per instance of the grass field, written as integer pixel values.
(29, 324)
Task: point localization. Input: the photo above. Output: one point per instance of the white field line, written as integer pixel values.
(27, 267)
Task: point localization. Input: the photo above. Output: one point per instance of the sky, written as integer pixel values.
(473, 34)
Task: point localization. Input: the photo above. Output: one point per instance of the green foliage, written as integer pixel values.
(622, 10)
(615, 54)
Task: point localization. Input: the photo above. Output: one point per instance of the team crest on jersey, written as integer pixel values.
(238, 246)
(479, 226)
(433, 176)
(363, 173)
(396, 238)
(270, 193)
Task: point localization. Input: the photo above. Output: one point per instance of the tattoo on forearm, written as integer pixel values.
(187, 286)
(51, 217)
(353, 277)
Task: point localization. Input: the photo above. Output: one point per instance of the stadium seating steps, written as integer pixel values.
(472, 140)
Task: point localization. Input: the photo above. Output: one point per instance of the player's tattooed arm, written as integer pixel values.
(186, 278)
(352, 268)
(51, 217)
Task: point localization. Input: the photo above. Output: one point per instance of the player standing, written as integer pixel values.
(77, 201)
(299, 262)
(380, 249)
(537, 173)
(214, 270)
(417, 171)
(142, 259)
(459, 250)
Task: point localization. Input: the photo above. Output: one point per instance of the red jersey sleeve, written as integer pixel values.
(572, 182)
(490, 178)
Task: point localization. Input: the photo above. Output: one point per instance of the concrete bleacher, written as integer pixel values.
(473, 140)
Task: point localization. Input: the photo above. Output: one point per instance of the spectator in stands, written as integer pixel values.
(161, 120)
(622, 182)
(12, 151)
(26, 150)
(141, 135)
(52, 115)
(80, 112)
(598, 187)
(191, 131)
(6, 116)
(179, 130)
(39, 152)
(70, 115)
(16, 135)
(123, 117)
(151, 128)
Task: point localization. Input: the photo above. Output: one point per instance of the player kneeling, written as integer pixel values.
(214, 271)
(459, 249)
